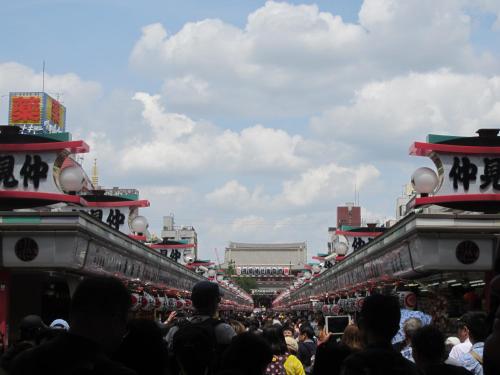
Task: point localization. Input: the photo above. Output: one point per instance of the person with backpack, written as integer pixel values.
(283, 363)
(205, 325)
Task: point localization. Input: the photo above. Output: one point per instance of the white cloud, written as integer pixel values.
(328, 181)
(295, 60)
(386, 116)
(180, 145)
(314, 186)
(237, 196)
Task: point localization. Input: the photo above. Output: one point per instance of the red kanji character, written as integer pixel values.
(25, 110)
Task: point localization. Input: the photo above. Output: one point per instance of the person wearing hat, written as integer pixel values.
(206, 297)
(60, 324)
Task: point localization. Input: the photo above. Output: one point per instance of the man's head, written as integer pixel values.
(428, 346)
(244, 347)
(379, 318)
(99, 310)
(462, 331)
(306, 332)
(477, 326)
(411, 326)
(30, 327)
(206, 297)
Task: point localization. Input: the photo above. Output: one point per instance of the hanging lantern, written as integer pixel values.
(136, 301)
(147, 302)
(407, 300)
(171, 303)
(359, 303)
(179, 304)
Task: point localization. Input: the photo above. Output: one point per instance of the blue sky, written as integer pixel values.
(253, 120)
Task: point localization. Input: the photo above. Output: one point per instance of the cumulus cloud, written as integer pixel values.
(386, 116)
(181, 145)
(315, 185)
(295, 59)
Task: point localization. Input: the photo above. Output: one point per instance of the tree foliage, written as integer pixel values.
(246, 283)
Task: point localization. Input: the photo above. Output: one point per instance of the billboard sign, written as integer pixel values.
(36, 112)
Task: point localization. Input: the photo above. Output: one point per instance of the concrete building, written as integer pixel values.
(349, 215)
(185, 234)
(292, 256)
(273, 266)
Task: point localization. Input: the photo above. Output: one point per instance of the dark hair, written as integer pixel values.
(244, 347)
(206, 297)
(329, 357)
(306, 329)
(428, 344)
(100, 296)
(288, 327)
(321, 321)
(477, 325)
(380, 315)
(143, 348)
(274, 336)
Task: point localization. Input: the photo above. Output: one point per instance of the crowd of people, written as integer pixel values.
(100, 338)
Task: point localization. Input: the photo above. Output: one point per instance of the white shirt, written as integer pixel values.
(460, 349)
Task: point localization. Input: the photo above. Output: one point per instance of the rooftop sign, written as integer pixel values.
(36, 112)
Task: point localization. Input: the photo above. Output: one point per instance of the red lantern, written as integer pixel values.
(136, 301)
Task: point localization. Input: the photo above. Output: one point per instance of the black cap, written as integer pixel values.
(205, 293)
(32, 323)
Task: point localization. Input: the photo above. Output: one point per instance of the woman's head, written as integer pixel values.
(352, 337)
(274, 336)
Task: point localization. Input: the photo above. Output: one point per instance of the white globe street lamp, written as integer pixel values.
(424, 180)
(139, 224)
(72, 179)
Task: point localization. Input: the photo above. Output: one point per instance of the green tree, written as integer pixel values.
(230, 270)
(246, 283)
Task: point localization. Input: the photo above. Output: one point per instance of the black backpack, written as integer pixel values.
(195, 347)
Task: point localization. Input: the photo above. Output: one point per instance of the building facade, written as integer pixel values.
(256, 259)
(349, 215)
(274, 266)
(185, 234)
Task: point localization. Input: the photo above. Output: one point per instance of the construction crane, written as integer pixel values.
(218, 259)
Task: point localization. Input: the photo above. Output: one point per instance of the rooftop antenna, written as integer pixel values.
(355, 194)
(43, 76)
